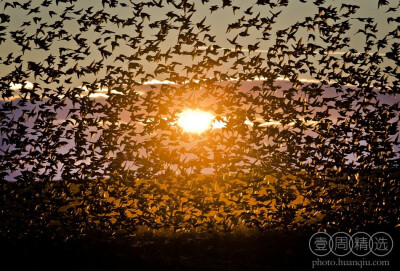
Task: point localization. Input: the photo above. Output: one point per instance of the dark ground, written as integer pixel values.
(241, 251)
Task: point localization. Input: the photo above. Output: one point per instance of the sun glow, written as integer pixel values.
(195, 121)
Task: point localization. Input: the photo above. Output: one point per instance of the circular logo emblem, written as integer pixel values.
(381, 244)
(340, 244)
(361, 243)
(319, 244)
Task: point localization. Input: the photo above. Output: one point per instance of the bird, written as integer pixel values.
(91, 96)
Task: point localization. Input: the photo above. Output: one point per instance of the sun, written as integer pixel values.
(195, 121)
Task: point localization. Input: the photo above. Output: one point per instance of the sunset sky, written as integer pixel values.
(217, 20)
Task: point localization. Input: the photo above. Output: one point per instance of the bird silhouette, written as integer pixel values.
(304, 121)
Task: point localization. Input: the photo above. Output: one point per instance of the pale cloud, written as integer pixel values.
(158, 82)
(101, 92)
(28, 85)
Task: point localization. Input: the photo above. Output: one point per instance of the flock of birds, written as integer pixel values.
(336, 146)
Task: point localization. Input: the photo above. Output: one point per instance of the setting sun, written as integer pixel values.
(195, 121)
